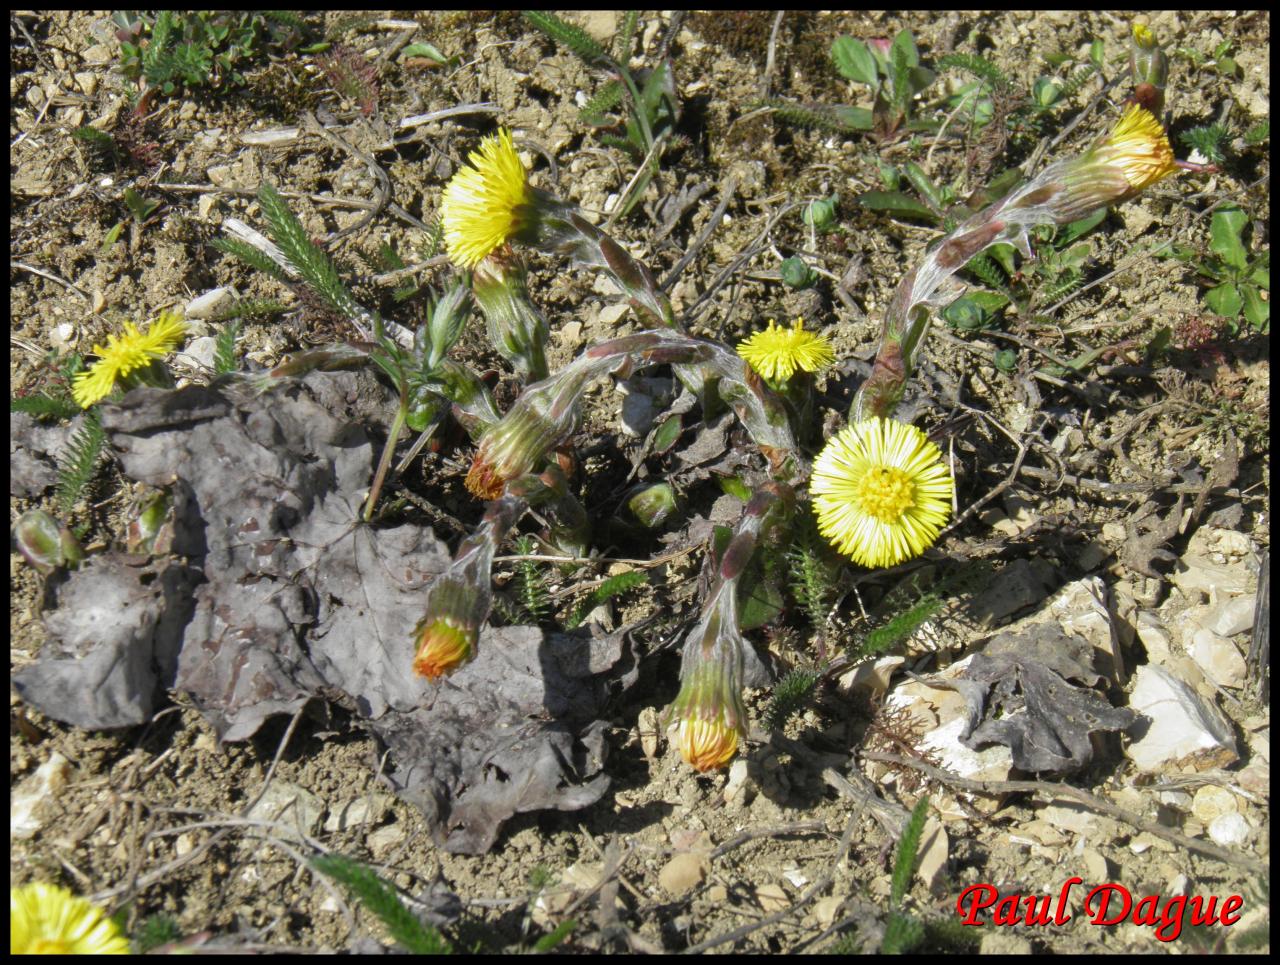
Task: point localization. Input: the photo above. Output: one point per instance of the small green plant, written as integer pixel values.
(814, 573)
(199, 48)
(899, 628)
(893, 72)
(902, 932)
(381, 899)
(791, 695)
(613, 586)
(155, 931)
(528, 600)
(79, 461)
(652, 107)
(1207, 139)
(891, 69)
(1239, 276)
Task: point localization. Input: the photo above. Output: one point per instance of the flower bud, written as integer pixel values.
(708, 714)
(44, 543)
(446, 638)
(1149, 68)
(545, 414)
(516, 329)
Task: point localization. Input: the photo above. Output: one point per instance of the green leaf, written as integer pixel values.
(429, 51)
(1224, 235)
(989, 302)
(904, 47)
(1256, 311)
(925, 186)
(576, 39)
(1075, 229)
(381, 899)
(1261, 274)
(1225, 300)
(759, 602)
(665, 436)
(112, 237)
(897, 204)
(735, 487)
(853, 118)
(854, 60)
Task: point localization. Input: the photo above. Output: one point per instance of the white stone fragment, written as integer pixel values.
(1232, 616)
(1229, 830)
(1184, 730)
(207, 305)
(30, 802)
(1218, 658)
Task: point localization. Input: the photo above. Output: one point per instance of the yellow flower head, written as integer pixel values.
(124, 354)
(776, 352)
(881, 492)
(443, 646)
(706, 744)
(1139, 148)
(480, 209)
(49, 920)
(1143, 36)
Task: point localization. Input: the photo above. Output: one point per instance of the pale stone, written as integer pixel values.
(683, 873)
(869, 677)
(1096, 867)
(1154, 638)
(382, 841)
(1218, 658)
(1003, 943)
(1069, 817)
(208, 304)
(29, 803)
(1197, 576)
(1212, 801)
(1232, 616)
(772, 898)
(1229, 830)
(1184, 729)
(1114, 532)
(294, 809)
(354, 814)
(736, 791)
(933, 854)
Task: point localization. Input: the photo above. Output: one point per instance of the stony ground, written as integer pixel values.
(789, 850)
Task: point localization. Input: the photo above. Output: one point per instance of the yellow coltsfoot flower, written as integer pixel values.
(49, 920)
(776, 353)
(881, 492)
(126, 353)
(481, 205)
(1138, 148)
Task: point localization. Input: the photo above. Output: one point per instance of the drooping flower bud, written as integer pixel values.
(708, 714)
(544, 415)
(459, 599)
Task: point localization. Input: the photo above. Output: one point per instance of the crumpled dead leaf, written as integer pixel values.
(1017, 694)
(114, 623)
(297, 599)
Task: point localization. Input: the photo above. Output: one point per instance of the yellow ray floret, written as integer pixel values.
(776, 352)
(881, 492)
(481, 202)
(1139, 147)
(126, 353)
(49, 920)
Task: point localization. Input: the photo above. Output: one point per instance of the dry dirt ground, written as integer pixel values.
(152, 818)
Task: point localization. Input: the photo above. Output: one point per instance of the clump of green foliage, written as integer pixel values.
(199, 48)
(894, 74)
(1238, 275)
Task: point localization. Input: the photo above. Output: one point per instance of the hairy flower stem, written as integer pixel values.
(1135, 155)
(384, 463)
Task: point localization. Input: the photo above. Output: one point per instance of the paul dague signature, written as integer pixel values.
(1108, 904)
